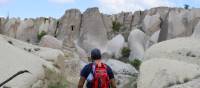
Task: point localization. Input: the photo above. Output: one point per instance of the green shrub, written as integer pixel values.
(57, 85)
(186, 6)
(116, 26)
(125, 52)
(40, 35)
(136, 63)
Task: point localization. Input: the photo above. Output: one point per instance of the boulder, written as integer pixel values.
(14, 60)
(72, 70)
(136, 42)
(125, 81)
(115, 46)
(81, 52)
(125, 74)
(191, 84)
(50, 42)
(47, 54)
(181, 49)
(119, 67)
(70, 21)
(163, 73)
(93, 31)
(153, 39)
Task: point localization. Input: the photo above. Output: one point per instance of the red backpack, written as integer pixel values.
(101, 78)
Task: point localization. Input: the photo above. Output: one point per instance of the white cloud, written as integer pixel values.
(4, 1)
(114, 6)
(61, 1)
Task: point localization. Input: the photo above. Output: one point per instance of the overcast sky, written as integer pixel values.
(56, 8)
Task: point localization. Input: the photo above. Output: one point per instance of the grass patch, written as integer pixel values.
(116, 26)
(40, 35)
(136, 63)
(125, 52)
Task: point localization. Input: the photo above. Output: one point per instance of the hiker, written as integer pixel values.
(97, 74)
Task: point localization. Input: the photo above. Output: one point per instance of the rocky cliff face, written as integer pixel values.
(174, 22)
(78, 33)
(92, 29)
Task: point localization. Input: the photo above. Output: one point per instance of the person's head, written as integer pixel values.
(95, 54)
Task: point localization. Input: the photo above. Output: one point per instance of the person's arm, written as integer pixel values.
(81, 82)
(83, 76)
(113, 84)
(111, 77)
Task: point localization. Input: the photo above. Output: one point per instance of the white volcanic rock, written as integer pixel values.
(93, 31)
(52, 30)
(119, 67)
(44, 26)
(72, 70)
(10, 27)
(153, 39)
(163, 73)
(191, 84)
(136, 41)
(137, 18)
(107, 20)
(181, 49)
(196, 33)
(26, 31)
(81, 52)
(71, 20)
(48, 54)
(48, 25)
(125, 81)
(151, 23)
(14, 60)
(177, 23)
(50, 42)
(115, 45)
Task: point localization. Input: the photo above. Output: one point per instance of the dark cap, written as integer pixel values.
(95, 54)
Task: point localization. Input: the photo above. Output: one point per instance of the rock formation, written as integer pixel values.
(114, 46)
(70, 21)
(136, 41)
(93, 31)
(173, 63)
(151, 35)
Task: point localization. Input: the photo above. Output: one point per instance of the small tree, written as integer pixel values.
(186, 6)
(40, 35)
(136, 63)
(125, 52)
(116, 26)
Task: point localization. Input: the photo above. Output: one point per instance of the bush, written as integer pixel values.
(40, 35)
(186, 6)
(125, 52)
(116, 26)
(57, 85)
(136, 63)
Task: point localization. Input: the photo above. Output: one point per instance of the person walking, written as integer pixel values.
(97, 73)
